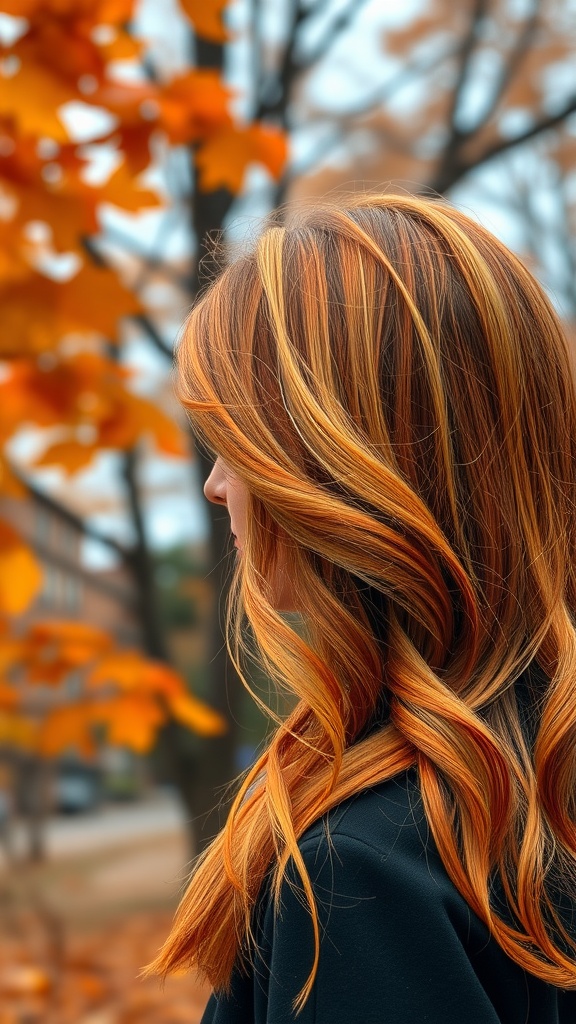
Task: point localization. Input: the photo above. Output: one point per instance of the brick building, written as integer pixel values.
(70, 591)
(105, 599)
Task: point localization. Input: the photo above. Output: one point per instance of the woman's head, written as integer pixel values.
(390, 385)
(389, 388)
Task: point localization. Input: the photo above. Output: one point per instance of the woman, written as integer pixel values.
(387, 393)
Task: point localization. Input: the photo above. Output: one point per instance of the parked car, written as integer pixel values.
(77, 787)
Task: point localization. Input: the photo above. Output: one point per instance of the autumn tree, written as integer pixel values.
(62, 347)
(427, 104)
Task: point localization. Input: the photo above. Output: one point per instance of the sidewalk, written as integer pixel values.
(76, 929)
(157, 814)
(112, 861)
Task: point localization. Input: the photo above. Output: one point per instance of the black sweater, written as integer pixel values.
(399, 945)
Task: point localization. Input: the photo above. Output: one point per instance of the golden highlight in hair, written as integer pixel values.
(393, 387)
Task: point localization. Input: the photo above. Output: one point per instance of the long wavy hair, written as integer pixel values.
(393, 388)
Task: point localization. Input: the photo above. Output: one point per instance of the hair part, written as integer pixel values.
(393, 387)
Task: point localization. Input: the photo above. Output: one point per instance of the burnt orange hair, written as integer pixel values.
(393, 387)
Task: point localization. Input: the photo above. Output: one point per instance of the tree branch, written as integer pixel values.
(538, 128)
(142, 566)
(286, 72)
(256, 39)
(378, 97)
(152, 332)
(465, 51)
(339, 25)
(81, 524)
(510, 68)
(149, 261)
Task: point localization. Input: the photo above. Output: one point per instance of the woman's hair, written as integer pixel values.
(393, 388)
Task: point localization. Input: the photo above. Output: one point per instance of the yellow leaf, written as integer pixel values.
(18, 731)
(20, 574)
(223, 158)
(196, 715)
(207, 18)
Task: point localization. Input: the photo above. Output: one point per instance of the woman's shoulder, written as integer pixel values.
(386, 821)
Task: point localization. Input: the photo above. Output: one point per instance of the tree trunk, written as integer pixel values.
(215, 765)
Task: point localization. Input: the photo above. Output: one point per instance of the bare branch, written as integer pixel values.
(567, 240)
(142, 319)
(465, 52)
(383, 94)
(510, 68)
(289, 67)
(339, 25)
(256, 37)
(386, 92)
(148, 260)
(540, 126)
(84, 526)
(153, 334)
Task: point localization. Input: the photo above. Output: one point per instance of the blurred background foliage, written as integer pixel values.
(133, 137)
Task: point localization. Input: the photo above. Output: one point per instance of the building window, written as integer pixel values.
(72, 592)
(50, 586)
(42, 525)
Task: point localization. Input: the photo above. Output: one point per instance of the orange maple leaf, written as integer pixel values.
(48, 188)
(94, 299)
(85, 389)
(123, 189)
(207, 18)
(65, 728)
(131, 671)
(196, 715)
(9, 699)
(18, 730)
(53, 649)
(194, 105)
(38, 312)
(132, 720)
(72, 456)
(223, 158)
(32, 97)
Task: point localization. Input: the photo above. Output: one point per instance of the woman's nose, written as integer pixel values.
(215, 486)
